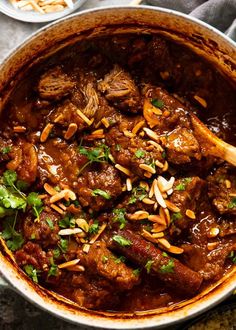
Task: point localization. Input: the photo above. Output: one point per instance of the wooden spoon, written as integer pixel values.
(211, 144)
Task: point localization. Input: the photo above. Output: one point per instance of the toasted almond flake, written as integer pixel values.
(76, 268)
(228, 184)
(82, 223)
(158, 228)
(165, 185)
(129, 184)
(112, 159)
(71, 130)
(62, 206)
(128, 134)
(213, 232)
(141, 134)
(66, 194)
(86, 248)
(19, 129)
(123, 169)
(167, 216)
(165, 167)
(138, 126)
(69, 231)
(159, 164)
(172, 207)
(85, 118)
(147, 174)
(157, 219)
(58, 118)
(162, 214)
(157, 111)
(102, 228)
(56, 208)
(81, 235)
(232, 194)
(149, 236)
(151, 191)
(148, 201)
(36, 7)
(124, 188)
(150, 133)
(139, 215)
(43, 196)
(155, 207)
(98, 131)
(158, 235)
(147, 168)
(156, 145)
(69, 263)
(201, 101)
(49, 189)
(144, 185)
(175, 250)
(160, 200)
(190, 214)
(211, 246)
(170, 191)
(164, 242)
(45, 133)
(105, 122)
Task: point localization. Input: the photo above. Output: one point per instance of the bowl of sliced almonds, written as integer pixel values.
(39, 11)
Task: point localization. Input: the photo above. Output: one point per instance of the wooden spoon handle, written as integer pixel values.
(211, 144)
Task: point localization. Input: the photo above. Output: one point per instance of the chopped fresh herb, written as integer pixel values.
(76, 203)
(53, 270)
(9, 178)
(22, 185)
(232, 256)
(56, 253)
(98, 154)
(168, 268)
(104, 259)
(176, 216)
(151, 162)
(120, 259)
(119, 216)
(122, 240)
(14, 240)
(157, 103)
(100, 192)
(163, 154)
(164, 254)
(118, 147)
(31, 272)
(32, 236)
(57, 188)
(232, 203)
(63, 245)
(139, 153)
(136, 272)
(10, 201)
(182, 185)
(5, 150)
(50, 223)
(36, 203)
(138, 193)
(148, 266)
(67, 222)
(93, 229)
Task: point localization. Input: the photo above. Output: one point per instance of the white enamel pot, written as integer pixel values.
(201, 38)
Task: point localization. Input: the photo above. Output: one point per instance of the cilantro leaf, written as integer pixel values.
(53, 270)
(139, 153)
(50, 223)
(120, 259)
(93, 229)
(63, 245)
(100, 192)
(36, 203)
(14, 240)
(136, 272)
(148, 266)
(104, 259)
(182, 185)
(31, 272)
(232, 203)
(5, 150)
(67, 222)
(138, 193)
(119, 216)
(157, 103)
(98, 154)
(9, 178)
(122, 240)
(56, 253)
(168, 268)
(176, 216)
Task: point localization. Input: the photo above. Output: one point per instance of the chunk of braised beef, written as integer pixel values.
(32, 254)
(55, 84)
(181, 146)
(222, 189)
(99, 260)
(98, 187)
(119, 88)
(45, 230)
(94, 292)
(187, 196)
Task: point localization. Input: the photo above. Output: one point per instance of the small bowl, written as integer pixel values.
(34, 17)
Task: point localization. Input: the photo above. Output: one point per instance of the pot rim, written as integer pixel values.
(25, 288)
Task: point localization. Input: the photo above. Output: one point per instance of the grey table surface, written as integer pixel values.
(15, 312)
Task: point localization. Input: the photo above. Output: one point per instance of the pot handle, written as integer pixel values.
(3, 282)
